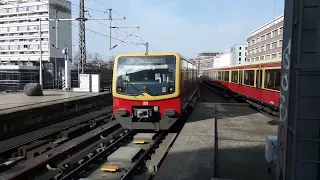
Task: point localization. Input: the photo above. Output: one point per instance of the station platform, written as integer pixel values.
(19, 111)
(219, 140)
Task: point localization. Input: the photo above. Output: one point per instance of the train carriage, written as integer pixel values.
(151, 91)
(257, 82)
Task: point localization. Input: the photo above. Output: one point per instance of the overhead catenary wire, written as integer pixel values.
(93, 31)
(121, 41)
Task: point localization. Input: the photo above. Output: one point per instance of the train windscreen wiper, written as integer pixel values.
(139, 92)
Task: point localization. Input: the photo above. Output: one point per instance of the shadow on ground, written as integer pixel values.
(205, 111)
(246, 163)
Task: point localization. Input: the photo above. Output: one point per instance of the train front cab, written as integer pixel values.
(146, 111)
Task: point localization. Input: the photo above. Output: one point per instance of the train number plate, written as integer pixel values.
(145, 103)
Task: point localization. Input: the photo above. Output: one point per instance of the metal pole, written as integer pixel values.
(82, 36)
(147, 48)
(57, 47)
(40, 49)
(110, 17)
(78, 70)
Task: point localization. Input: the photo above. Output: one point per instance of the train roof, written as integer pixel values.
(271, 61)
(154, 54)
(149, 53)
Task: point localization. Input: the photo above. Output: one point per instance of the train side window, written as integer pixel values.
(234, 76)
(219, 75)
(259, 79)
(226, 76)
(249, 77)
(272, 79)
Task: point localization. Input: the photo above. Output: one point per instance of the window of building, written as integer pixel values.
(226, 75)
(258, 39)
(267, 47)
(272, 79)
(274, 45)
(234, 76)
(240, 48)
(275, 33)
(279, 55)
(280, 43)
(3, 10)
(239, 53)
(245, 53)
(253, 42)
(261, 58)
(257, 58)
(239, 58)
(248, 59)
(263, 37)
(249, 43)
(267, 57)
(281, 30)
(249, 77)
(262, 48)
(273, 56)
(257, 49)
(268, 35)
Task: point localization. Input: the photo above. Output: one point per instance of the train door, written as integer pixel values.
(240, 81)
(259, 82)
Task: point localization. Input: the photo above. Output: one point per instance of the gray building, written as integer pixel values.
(266, 42)
(19, 41)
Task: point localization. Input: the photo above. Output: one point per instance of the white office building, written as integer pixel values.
(232, 56)
(239, 54)
(19, 34)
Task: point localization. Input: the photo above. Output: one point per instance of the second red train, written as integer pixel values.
(256, 82)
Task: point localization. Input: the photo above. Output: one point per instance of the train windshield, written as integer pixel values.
(150, 74)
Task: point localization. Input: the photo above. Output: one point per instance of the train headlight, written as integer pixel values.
(169, 112)
(121, 89)
(122, 112)
(170, 89)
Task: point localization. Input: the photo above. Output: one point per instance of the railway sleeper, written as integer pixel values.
(75, 131)
(40, 150)
(83, 156)
(75, 173)
(22, 151)
(5, 165)
(56, 154)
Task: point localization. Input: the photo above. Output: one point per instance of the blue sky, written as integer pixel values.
(185, 26)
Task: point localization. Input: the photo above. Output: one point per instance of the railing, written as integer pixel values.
(8, 87)
(105, 85)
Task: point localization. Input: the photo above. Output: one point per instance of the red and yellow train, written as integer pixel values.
(151, 91)
(257, 82)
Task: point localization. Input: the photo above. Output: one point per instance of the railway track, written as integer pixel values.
(38, 143)
(47, 124)
(107, 152)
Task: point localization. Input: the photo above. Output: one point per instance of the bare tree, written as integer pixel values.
(111, 58)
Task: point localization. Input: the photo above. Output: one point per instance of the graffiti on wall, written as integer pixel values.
(283, 105)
